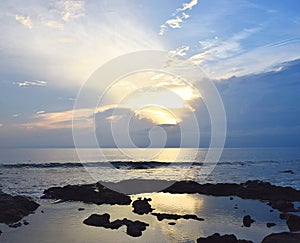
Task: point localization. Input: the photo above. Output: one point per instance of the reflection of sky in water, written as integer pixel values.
(64, 221)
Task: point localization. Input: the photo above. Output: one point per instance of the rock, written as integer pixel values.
(282, 206)
(284, 237)
(293, 222)
(142, 206)
(269, 225)
(162, 216)
(287, 171)
(15, 225)
(134, 228)
(42, 211)
(14, 208)
(231, 198)
(81, 209)
(90, 193)
(248, 190)
(172, 223)
(247, 221)
(258, 190)
(25, 222)
(0, 232)
(217, 238)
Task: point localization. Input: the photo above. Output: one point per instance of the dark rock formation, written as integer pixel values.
(172, 223)
(249, 190)
(247, 221)
(80, 209)
(162, 216)
(217, 238)
(288, 171)
(91, 193)
(142, 206)
(284, 237)
(14, 208)
(15, 225)
(293, 222)
(269, 225)
(134, 228)
(282, 206)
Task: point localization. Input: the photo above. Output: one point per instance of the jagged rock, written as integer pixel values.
(247, 221)
(284, 237)
(15, 225)
(269, 225)
(142, 206)
(134, 228)
(217, 238)
(14, 208)
(91, 193)
(162, 216)
(282, 206)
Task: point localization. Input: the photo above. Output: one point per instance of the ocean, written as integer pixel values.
(30, 171)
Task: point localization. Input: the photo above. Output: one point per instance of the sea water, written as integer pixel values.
(30, 171)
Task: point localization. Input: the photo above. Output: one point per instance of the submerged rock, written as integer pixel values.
(269, 225)
(91, 193)
(217, 238)
(14, 208)
(247, 221)
(162, 216)
(134, 228)
(284, 237)
(142, 206)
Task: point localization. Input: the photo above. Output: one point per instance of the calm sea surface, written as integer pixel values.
(30, 171)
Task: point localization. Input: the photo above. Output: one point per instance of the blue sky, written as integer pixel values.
(248, 48)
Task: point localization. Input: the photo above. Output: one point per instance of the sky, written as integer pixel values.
(249, 49)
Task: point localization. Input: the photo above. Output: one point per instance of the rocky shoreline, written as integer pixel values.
(14, 208)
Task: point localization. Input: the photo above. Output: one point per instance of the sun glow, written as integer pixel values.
(157, 115)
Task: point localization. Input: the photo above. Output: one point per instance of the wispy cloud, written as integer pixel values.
(189, 5)
(179, 17)
(217, 49)
(180, 51)
(31, 83)
(70, 9)
(55, 24)
(60, 119)
(24, 20)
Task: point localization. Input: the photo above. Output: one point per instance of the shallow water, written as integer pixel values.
(62, 222)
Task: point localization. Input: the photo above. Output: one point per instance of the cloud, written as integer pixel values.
(55, 24)
(70, 9)
(16, 115)
(217, 49)
(175, 23)
(180, 51)
(31, 83)
(189, 5)
(24, 20)
(59, 120)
